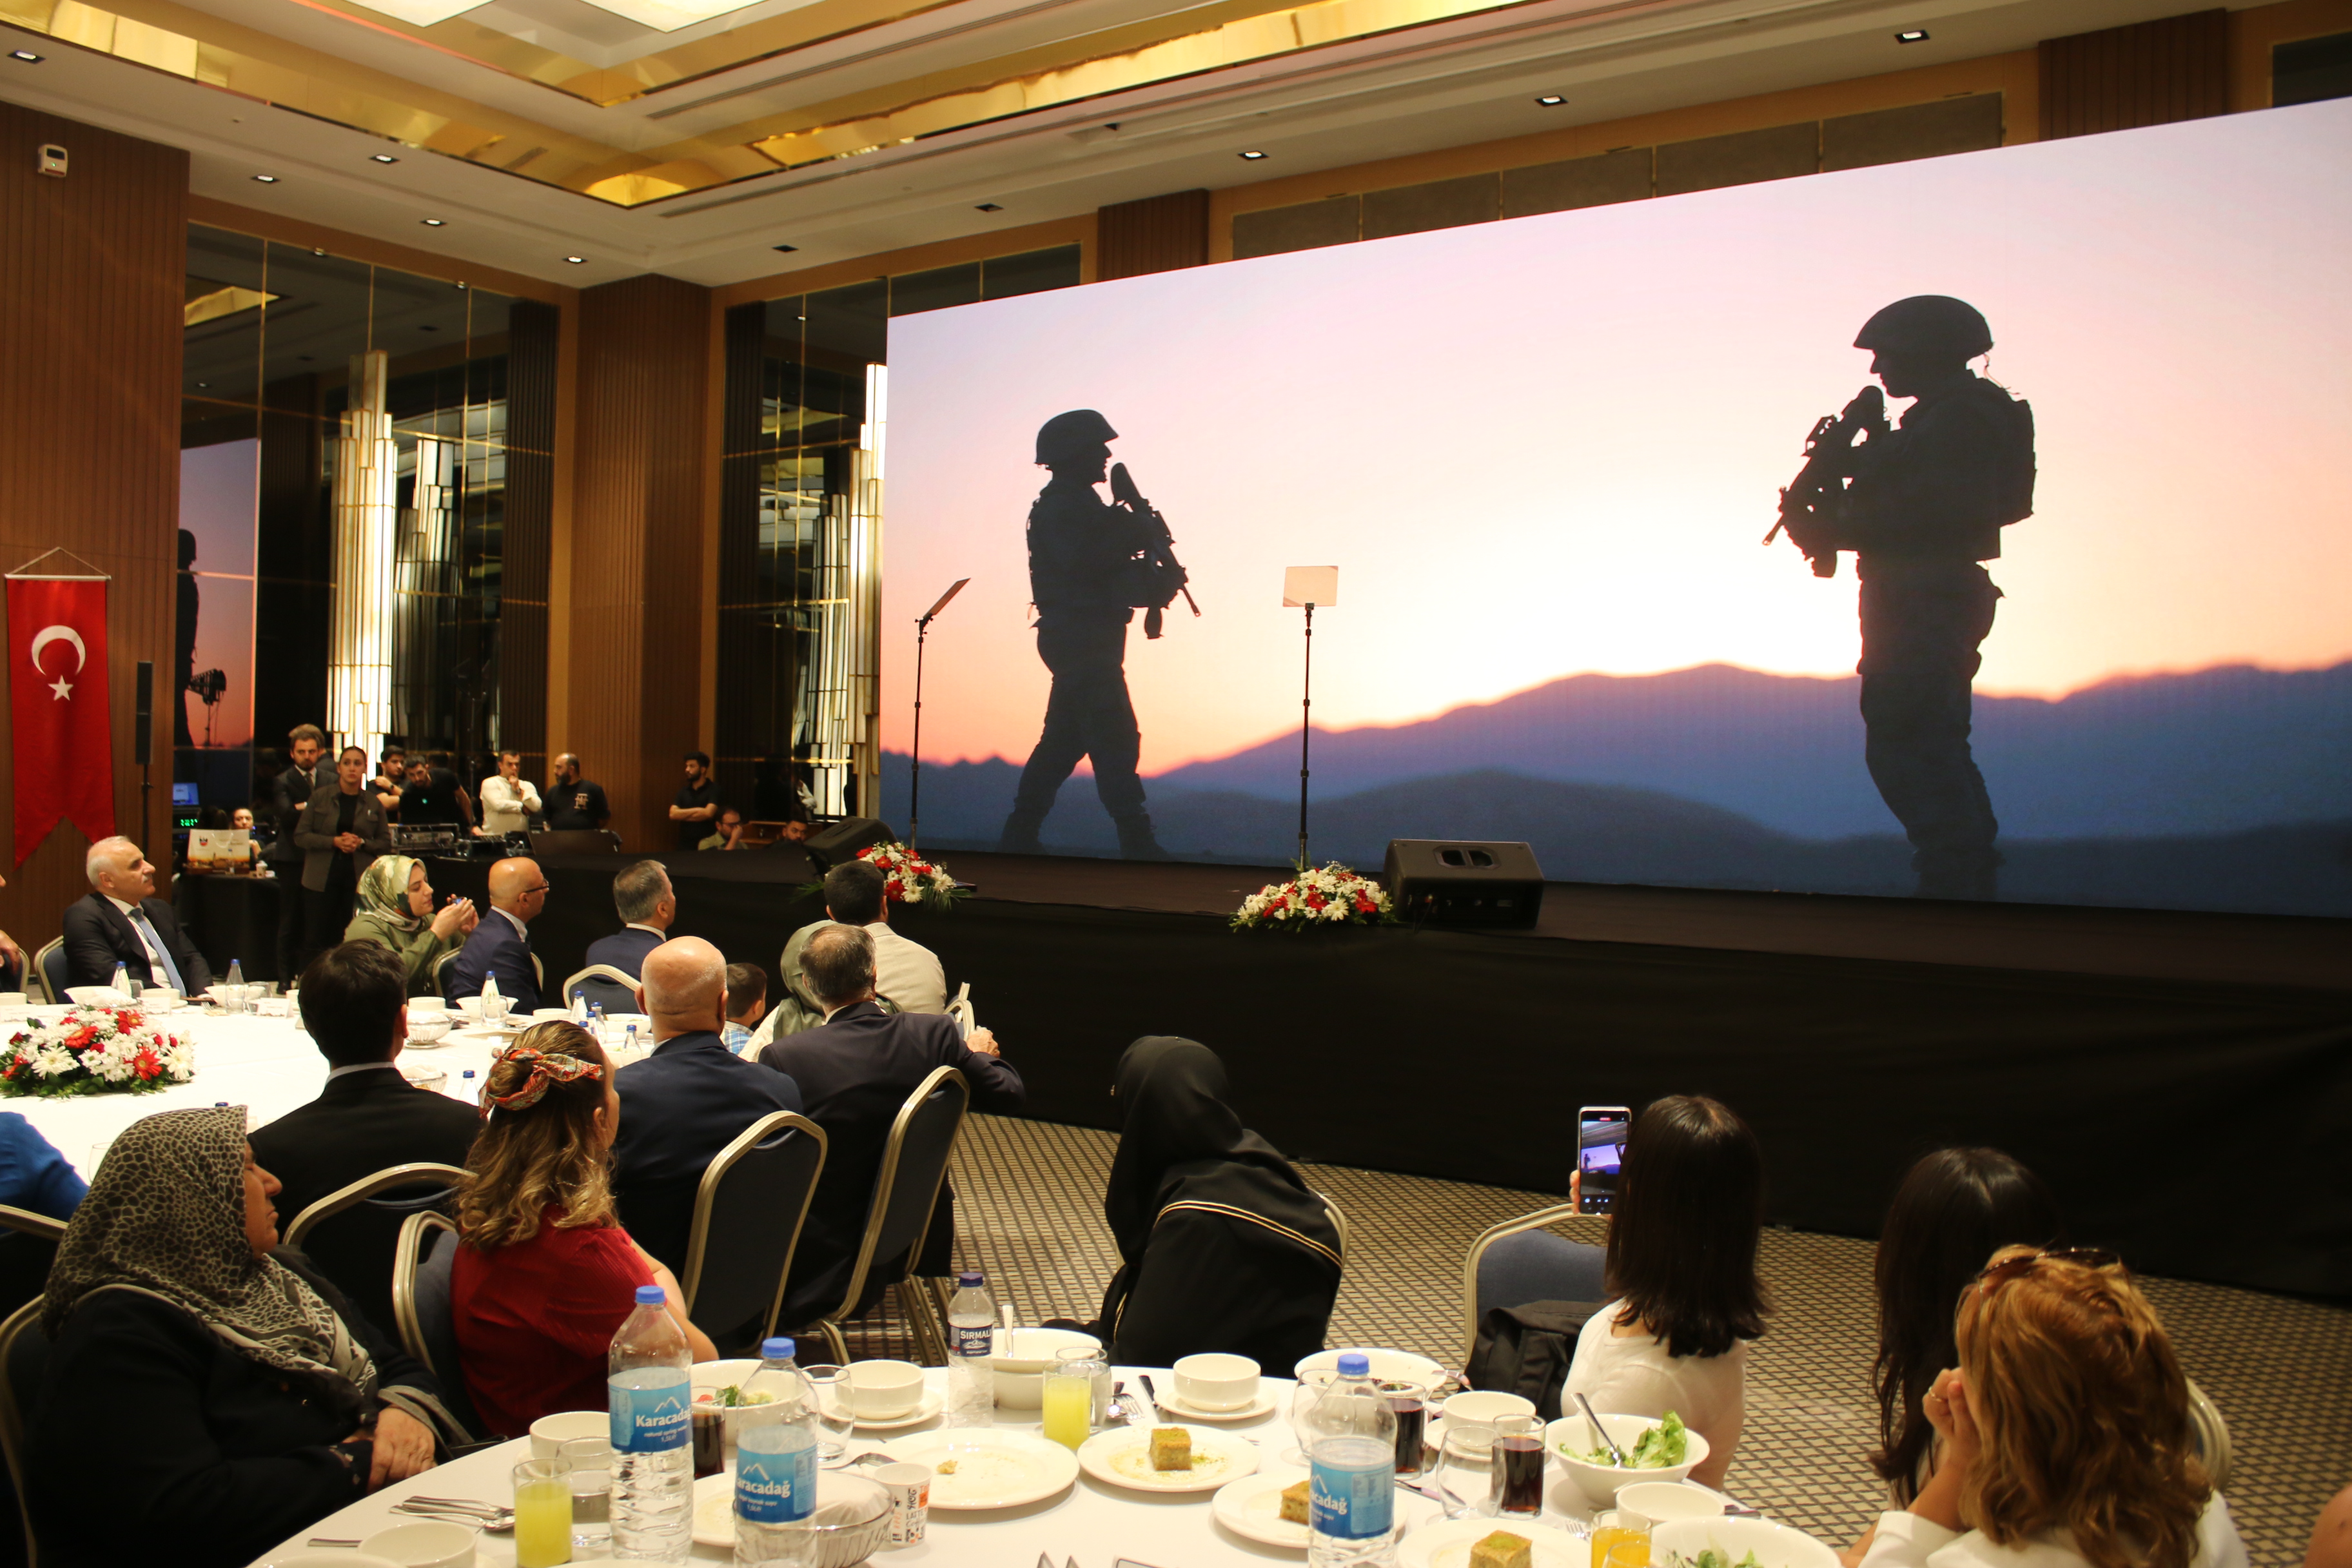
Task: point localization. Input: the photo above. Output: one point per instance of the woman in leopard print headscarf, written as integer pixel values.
(235, 1396)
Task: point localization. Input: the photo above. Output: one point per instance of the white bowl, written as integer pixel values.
(1215, 1381)
(426, 1028)
(1775, 1546)
(880, 1390)
(470, 1005)
(552, 1014)
(95, 996)
(425, 1545)
(1021, 1360)
(1662, 1503)
(340, 1557)
(550, 1433)
(1600, 1483)
(1470, 1417)
(424, 1075)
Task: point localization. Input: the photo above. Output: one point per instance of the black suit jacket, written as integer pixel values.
(855, 1074)
(98, 937)
(679, 1108)
(287, 795)
(624, 950)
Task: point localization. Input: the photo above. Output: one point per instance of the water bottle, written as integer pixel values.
(236, 984)
(776, 1461)
(580, 1005)
(121, 981)
(972, 1341)
(1351, 1442)
(653, 1466)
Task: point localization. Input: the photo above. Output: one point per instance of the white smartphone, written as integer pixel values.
(1600, 1133)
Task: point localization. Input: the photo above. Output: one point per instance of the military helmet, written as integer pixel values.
(1934, 324)
(1069, 436)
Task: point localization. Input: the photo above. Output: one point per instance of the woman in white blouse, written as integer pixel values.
(2064, 1433)
(1682, 1264)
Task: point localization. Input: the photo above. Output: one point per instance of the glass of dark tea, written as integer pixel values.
(1410, 1402)
(1519, 1467)
(710, 1440)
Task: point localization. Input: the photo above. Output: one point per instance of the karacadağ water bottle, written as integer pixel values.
(236, 1003)
(776, 1461)
(653, 1466)
(972, 1341)
(1350, 1441)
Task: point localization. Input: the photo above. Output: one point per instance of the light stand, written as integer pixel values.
(915, 759)
(1304, 587)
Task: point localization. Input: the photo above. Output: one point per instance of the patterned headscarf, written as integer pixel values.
(546, 1069)
(166, 1218)
(384, 891)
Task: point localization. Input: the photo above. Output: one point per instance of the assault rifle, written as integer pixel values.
(1168, 578)
(1814, 503)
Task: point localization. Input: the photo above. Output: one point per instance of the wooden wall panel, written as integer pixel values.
(532, 334)
(637, 540)
(2151, 73)
(1159, 234)
(90, 290)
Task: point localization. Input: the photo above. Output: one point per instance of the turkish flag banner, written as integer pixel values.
(63, 761)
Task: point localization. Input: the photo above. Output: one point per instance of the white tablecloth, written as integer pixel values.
(1092, 1521)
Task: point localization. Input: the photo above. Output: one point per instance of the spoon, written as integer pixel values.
(1603, 1432)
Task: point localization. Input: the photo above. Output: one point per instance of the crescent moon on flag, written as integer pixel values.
(49, 635)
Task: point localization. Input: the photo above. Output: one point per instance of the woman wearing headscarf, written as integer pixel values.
(1222, 1245)
(394, 910)
(207, 1395)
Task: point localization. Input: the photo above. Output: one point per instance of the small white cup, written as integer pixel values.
(884, 1390)
(909, 1486)
(550, 1433)
(1214, 1381)
(427, 1545)
(1647, 1504)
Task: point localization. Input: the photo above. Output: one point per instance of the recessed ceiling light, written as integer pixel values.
(577, 260)
(435, 222)
(27, 55)
(1912, 36)
(784, 247)
(1252, 155)
(461, 285)
(987, 207)
(1551, 100)
(316, 251)
(384, 158)
(264, 179)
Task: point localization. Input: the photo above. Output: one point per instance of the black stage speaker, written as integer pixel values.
(829, 847)
(143, 730)
(1442, 881)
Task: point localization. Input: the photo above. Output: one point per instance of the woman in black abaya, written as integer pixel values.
(1223, 1248)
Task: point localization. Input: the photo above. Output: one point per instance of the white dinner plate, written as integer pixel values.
(1175, 1404)
(1252, 1507)
(931, 1405)
(1122, 1457)
(993, 1467)
(1446, 1542)
(1388, 1366)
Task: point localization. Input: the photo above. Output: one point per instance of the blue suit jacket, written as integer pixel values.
(679, 1107)
(495, 948)
(624, 950)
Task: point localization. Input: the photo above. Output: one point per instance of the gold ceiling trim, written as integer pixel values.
(227, 301)
(163, 35)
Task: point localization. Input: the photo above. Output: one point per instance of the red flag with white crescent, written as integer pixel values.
(64, 746)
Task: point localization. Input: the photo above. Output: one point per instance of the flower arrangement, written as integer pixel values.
(909, 879)
(1331, 896)
(94, 1050)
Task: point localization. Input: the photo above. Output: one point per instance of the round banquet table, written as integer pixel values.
(1094, 1523)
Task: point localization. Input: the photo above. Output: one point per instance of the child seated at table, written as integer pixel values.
(747, 1003)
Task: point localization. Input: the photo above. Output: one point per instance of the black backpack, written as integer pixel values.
(1525, 1350)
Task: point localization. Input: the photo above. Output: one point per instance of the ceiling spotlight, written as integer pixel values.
(384, 158)
(316, 251)
(787, 248)
(461, 286)
(1550, 99)
(1912, 36)
(987, 207)
(264, 179)
(1252, 156)
(577, 260)
(27, 55)
(434, 222)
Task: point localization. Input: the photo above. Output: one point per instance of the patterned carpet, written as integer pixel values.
(1029, 1213)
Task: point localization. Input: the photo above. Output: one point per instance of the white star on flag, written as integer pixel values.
(63, 691)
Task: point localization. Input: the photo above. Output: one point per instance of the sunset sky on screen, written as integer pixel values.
(1550, 445)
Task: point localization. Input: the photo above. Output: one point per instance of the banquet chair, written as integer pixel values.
(1339, 1223)
(24, 1361)
(611, 989)
(28, 1244)
(49, 968)
(2210, 1436)
(441, 972)
(748, 1216)
(898, 1216)
(352, 1235)
(1518, 1261)
(421, 1316)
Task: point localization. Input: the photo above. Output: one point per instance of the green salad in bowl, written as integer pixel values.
(1658, 1447)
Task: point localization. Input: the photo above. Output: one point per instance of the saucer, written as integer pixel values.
(1176, 1405)
(932, 1404)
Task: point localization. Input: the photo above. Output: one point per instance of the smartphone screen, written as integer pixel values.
(1600, 1133)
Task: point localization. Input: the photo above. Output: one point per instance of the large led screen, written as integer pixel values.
(2103, 622)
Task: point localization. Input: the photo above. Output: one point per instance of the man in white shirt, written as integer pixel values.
(123, 922)
(908, 977)
(509, 800)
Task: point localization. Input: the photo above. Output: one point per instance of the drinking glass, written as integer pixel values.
(1517, 1464)
(542, 1508)
(591, 1460)
(494, 1010)
(1410, 1402)
(1309, 1389)
(1617, 1544)
(1069, 1395)
(834, 1414)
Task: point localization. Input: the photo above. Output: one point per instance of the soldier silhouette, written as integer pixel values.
(1087, 574)
(1926, 507)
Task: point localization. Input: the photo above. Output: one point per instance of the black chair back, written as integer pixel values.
(353, 1236)
(24, 1366)
(421, 1308)
(914, 1168)
(610, 994)
(747, 1222)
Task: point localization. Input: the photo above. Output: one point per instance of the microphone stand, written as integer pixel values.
(1306, 730)
(914, 758)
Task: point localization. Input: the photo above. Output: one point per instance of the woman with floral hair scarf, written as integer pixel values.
(393, 908)
(207, 1395)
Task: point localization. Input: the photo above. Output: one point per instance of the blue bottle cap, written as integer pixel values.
(1355, 1364)
(967, 1280)
(777, 1348)
(651, 1296)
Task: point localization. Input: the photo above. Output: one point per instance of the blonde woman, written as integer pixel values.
(2065, 1433)
(544, 1272)
(394, 910)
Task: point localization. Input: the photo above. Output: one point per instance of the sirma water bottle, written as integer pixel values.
(971, 1342)
(653, 1467)
(1350, 1436)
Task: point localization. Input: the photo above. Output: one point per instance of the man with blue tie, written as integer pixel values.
(642, 897)
(123, 922)
(500, 944)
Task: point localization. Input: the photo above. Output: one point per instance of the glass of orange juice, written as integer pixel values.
(1618, 1545)
(542, 1508)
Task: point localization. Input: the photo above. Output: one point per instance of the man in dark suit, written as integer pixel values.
(290, 792)
(367, 1119)
(123, 922)
(642, 897)
(341, 833)
(854, 1073)
(686, 1102)
(500, 944)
